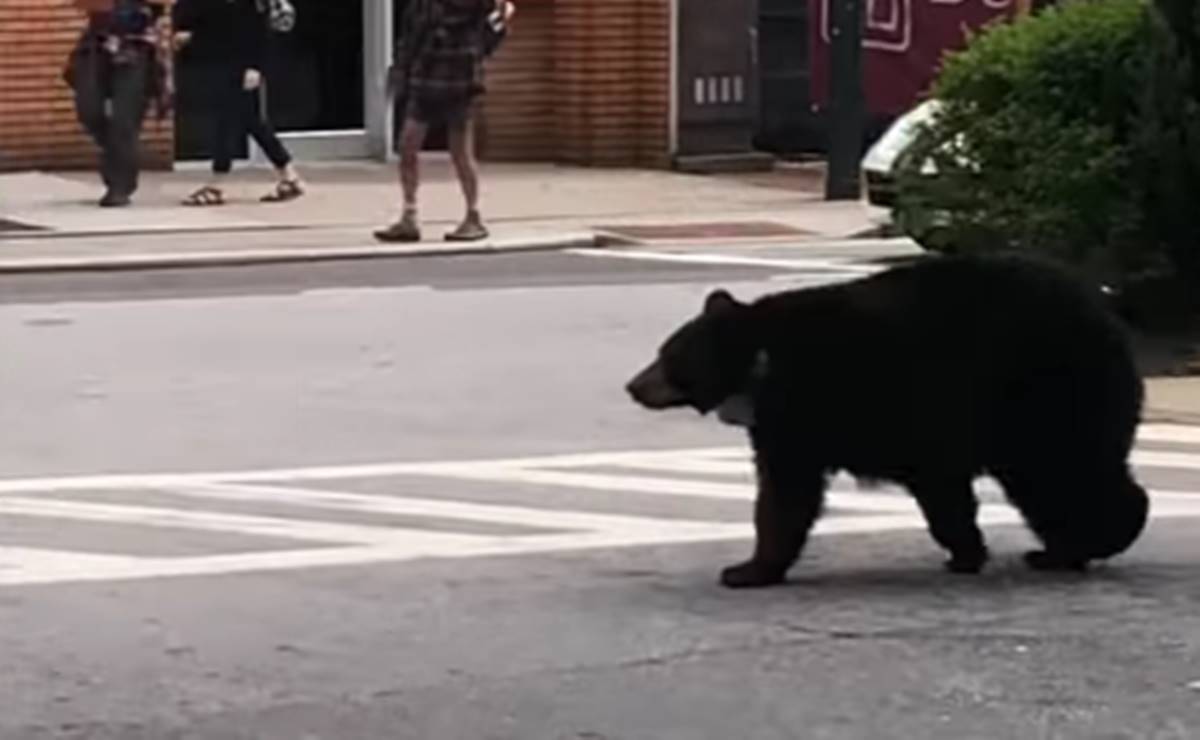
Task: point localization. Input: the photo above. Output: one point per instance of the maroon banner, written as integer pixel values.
(903, 44)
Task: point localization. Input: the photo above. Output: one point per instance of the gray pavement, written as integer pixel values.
(407, 499)
(53, 222)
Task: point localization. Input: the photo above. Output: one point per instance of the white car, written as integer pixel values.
(879, 164)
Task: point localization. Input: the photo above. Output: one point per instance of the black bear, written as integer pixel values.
(927, 375)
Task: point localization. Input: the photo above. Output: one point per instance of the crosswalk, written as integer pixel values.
(785, 265)
(128, 527)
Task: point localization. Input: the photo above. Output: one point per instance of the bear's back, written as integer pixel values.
(949, 353)
(958, 309)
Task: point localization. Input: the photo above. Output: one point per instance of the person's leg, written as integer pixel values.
(91, 93)
(411, 141)
(462, 153)
(222, 98)
(129, 86)
(461, 140)
(289, 185)
(228, 124)
(412, 138)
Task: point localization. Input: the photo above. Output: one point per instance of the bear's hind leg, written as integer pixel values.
(1116, 514)
(1079, 514)
(1045, 501)
(789, 500)
(950, 509)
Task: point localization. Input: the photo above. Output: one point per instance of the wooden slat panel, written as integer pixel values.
(612, 88)
(517, 121)
(582, 82)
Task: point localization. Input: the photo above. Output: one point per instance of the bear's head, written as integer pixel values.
(706, 362)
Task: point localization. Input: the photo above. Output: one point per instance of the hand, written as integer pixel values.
(181, 39)
(510, 9)
(251, 80)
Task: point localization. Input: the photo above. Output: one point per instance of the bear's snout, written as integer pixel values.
(651, 389)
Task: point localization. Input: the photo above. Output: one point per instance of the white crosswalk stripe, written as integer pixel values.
(305, 510)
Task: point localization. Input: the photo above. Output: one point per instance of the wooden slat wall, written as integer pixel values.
(517, 124)
(611, 81)
(38, 128)
(654, 83)
(582, 82)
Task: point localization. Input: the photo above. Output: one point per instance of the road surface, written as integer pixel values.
(408, 499)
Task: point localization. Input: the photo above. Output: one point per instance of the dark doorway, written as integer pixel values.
(314, 78)
(787, 123)
(316, 71)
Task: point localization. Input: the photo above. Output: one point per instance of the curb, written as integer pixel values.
(283, 256)
(50, 234)
(1168, 416)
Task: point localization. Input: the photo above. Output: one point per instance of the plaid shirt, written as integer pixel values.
(439, 58)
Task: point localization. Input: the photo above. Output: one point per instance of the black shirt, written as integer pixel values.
(224, 32)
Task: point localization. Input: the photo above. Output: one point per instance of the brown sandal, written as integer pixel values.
(285, 190)
(404, 230)
(205, 196)
(470, 230)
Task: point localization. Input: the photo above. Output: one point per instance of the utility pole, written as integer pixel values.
(845, 123)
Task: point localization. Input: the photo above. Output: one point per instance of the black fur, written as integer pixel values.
(927, 375)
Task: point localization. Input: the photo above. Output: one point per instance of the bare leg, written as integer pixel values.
(462, 153)
(411, 141)
(412, 138)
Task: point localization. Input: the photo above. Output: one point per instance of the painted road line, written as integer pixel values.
(91, 569)
(701, 258)
(1169, 433)
(20, 562)
(604, 482)
(714, 458)
(1170, 460)
(687, 464)
(261, 526)
(64, 568)
(869, 502)
(334, 472)
(24, 566)
(544, 518)
(36, 567)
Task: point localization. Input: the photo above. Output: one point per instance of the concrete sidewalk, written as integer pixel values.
(520, 202)
(1173, 399)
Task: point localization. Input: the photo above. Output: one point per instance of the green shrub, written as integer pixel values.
(1037, 140)
(1166, 170)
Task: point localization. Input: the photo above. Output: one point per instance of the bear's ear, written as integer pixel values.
(719, 299)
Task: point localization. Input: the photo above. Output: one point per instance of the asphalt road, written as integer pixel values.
(408, 499)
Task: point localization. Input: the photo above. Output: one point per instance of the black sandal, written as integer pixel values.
(205, 196)
(285, 190)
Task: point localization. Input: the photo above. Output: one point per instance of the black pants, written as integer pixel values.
(122, 84)
(236, 112)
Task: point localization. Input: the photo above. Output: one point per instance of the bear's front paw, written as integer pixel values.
(1050, 561)
(752, 574)
(967, 563)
